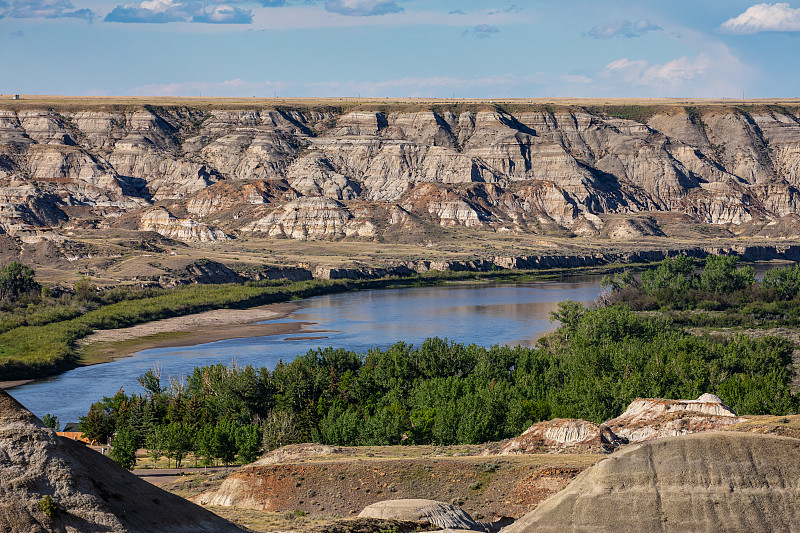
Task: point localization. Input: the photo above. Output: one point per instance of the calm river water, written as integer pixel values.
(485, 314)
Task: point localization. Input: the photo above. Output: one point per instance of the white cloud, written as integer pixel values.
(434, 87)
(363, 8)
(164, 11)
(44, 9)
(713, 73)
(622, 28)
(765, 17)
(307, 16)
(668, 74)
(576, 78)
(481, 31)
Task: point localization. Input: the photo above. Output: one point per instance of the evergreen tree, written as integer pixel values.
(51, 421)
(125, 444)
(248, 443)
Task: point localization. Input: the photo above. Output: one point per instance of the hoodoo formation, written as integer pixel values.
(89, 490)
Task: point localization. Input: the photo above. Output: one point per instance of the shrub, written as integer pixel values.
(48, 506)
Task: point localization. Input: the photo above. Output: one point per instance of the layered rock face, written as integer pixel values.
(723, 481)
(329, 174)
(91, 491)
(645, 419)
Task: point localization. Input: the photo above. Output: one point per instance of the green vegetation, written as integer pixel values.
(16, 280)
(125, 446)
(721, 294)
(637, 113)
(48, 506)
(51, 421)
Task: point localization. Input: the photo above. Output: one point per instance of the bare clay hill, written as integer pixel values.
(92, 493)
(717, 481)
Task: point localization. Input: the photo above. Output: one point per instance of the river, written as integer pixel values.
(484, 314)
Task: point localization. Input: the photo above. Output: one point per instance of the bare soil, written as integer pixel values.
(322, 488)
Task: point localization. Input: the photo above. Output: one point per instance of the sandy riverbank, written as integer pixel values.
(220, 324)
(106, 345)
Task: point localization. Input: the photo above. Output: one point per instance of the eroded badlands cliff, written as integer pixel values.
(204, 174)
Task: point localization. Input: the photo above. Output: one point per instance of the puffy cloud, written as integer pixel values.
(765, 17)
(668, 74)
(274, 3)
(713, 73)
(362, 8)
(44, 9)
(622, 28)
(164, 11)
(482, 31)
(225, 14)
(151, 11)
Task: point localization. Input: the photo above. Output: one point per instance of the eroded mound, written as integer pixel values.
(91, 492)
(444, 515)
(644, 419)
(720, 481)
(563, 435)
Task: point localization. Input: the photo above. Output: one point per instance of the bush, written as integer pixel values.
(48, 506)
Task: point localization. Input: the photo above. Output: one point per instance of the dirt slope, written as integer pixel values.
(92, 492)
(718, 481)
(346, 480)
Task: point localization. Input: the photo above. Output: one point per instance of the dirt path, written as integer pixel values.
(160, 476)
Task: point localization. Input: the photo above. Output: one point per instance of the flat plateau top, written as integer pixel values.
(364, 103)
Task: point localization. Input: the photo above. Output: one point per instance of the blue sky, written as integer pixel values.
(401, 48)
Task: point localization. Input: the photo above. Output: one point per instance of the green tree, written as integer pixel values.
(721, 275)
(225, 441)
(569, 314)
(156, 444)
(784, 281)
(205, 444)
(248, 443)
(177, 442)
(85, 290)
(125, 444)
(16, 279)
(672, 273)
(97, 425)
(51, 421)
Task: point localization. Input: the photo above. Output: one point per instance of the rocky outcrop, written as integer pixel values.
(444, 515)
(573, 170)
(648, 418)
(90, 491)
(722, 481)
(562, 435)
(162, 222)
(644, 419)
(312, 217)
